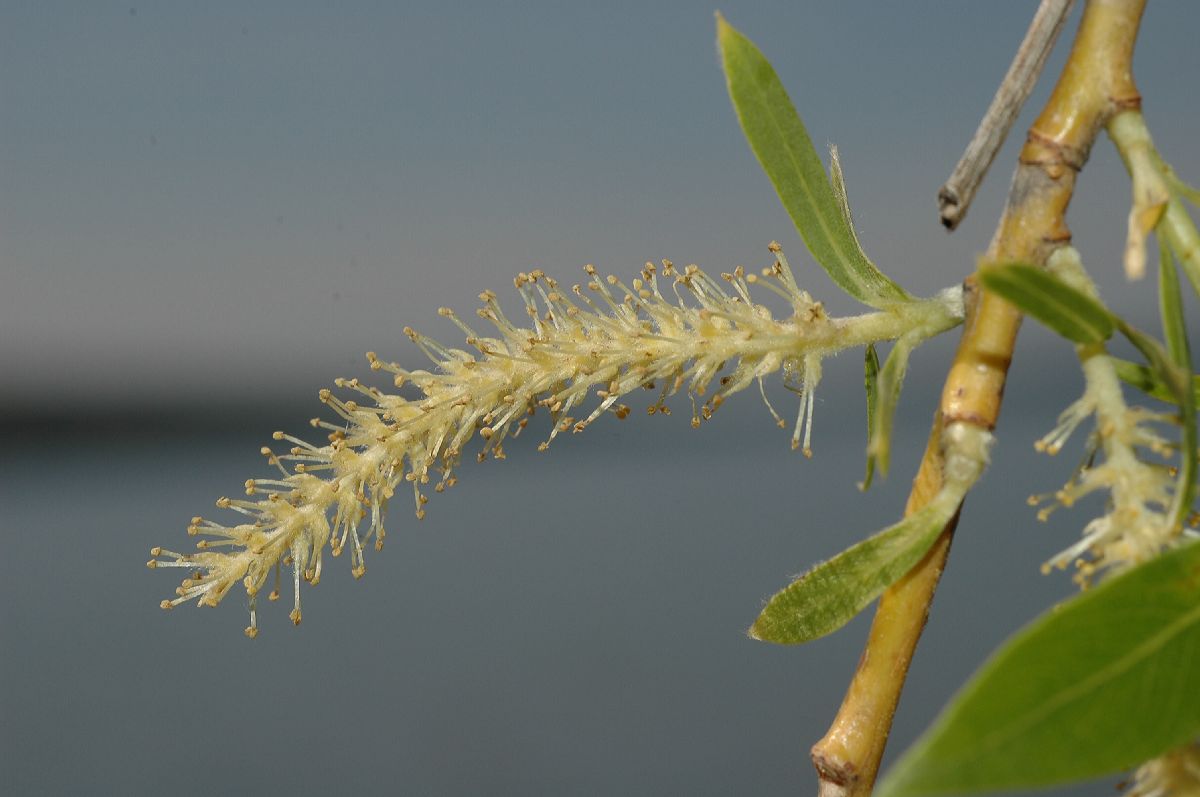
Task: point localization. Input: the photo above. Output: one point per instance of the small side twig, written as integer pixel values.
(955, 195)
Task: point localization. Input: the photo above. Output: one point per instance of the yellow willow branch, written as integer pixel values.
(1096, 83)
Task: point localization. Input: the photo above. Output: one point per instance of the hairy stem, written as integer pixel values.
(1095, 83)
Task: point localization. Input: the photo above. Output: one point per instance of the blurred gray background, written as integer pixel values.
(209, 211)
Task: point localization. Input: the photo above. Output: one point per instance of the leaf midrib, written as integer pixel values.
(760, 91)
(1121, 665)
(787, 146)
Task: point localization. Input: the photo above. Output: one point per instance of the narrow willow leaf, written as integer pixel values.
(1145, 380)
(779, 140)
(871, 382)
(1104, 681)
(838, 181)
(1175, 333)
(1158, 358)
(835, 591)
(891, 381)
(1067, 310)
(1170, 305)
(1182, 188)
(1178, 230)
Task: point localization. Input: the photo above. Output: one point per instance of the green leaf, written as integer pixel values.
(1104, 681)
(1175, 333)
(891, 381)
(1067, 310)
(1179, 232)
(871, 381)
(837, 181)
(1159, 359)
(1170, 304)
(779, 140)
(1145, 379)
(1182, 188)
(832, 593)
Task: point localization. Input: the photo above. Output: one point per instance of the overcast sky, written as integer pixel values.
(239, 199)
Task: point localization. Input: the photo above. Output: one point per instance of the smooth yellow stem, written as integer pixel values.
(1096, 83)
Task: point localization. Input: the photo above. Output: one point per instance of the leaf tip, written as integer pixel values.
(760, 630)
(767, 629)
(724, 29)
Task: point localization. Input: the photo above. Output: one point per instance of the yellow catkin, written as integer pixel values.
(674, 331)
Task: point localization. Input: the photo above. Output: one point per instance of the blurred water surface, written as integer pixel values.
(561, 623)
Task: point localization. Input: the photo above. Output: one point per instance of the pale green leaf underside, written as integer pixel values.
(871, 382)
(891, 382)
(779, 140)
(835, 591)
(1099, 684)
(1067, 310)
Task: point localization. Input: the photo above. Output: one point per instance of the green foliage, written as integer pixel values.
(1151, 383)
(818, 206)
(1080, 318)
(1101, 683)
(837, 181)
(1175, 334)
(1177, 231)
(1062, 307)
(871, 382)
(890, 383)
(1180, 187)
(835, 591)
(778, 138)
(1159, 360)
